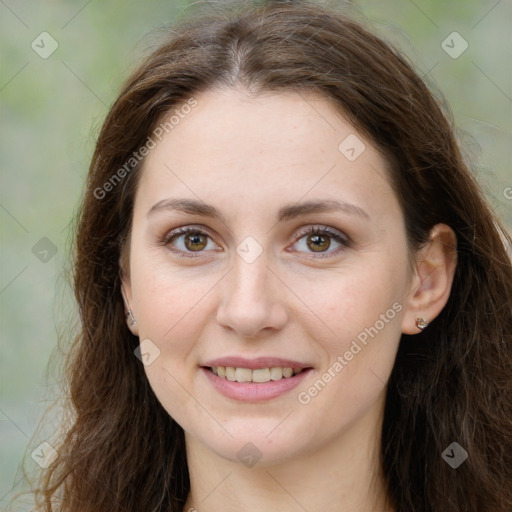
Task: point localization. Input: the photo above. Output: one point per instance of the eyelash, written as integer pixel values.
(312, 230)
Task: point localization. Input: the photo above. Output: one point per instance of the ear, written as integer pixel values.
(432, 280)
(126, 292)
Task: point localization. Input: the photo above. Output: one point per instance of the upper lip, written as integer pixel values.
(258, 362)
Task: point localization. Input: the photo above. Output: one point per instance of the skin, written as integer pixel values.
(248, 156)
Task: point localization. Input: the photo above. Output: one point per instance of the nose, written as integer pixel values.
(250, 300)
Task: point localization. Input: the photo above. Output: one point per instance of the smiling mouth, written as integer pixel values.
(257, 375)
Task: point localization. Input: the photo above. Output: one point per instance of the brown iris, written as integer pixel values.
(195, 241)
(318, 243)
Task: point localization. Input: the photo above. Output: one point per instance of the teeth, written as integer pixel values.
(276, 373)
(287, 372)
(243, 374)
(230, 373)
(258, 375)
(261, 375)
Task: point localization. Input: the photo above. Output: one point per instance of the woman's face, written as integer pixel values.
(296, 258)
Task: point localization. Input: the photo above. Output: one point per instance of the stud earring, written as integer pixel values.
(421, 323)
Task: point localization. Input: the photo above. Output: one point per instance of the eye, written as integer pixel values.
(189, 240)
(319, 240)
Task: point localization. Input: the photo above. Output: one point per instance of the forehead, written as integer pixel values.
(251, 148)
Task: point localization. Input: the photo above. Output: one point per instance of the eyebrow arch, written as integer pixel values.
(187, 206)
(324, 206)
(287, 212)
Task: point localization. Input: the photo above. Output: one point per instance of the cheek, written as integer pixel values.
(174, 306)
(172, 389)
(358, 325)
(170, 299)
(344, 303)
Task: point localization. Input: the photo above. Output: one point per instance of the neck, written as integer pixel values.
(342, 476)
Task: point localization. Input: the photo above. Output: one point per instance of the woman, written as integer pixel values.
(293, 294)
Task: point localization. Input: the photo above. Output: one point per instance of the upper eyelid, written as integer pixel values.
(322, 228)
(299, 232)
(184, 230)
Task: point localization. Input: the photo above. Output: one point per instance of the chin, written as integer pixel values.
(265, 443)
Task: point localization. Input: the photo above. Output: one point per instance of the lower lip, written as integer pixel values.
(254, 391)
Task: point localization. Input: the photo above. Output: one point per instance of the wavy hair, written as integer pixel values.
(122, 452)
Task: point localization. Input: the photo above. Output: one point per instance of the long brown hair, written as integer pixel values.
(451, 383)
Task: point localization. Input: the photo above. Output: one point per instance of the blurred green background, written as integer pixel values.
(52, 109)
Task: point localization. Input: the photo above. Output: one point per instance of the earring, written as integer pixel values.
(131, 318)
(421, 323)
(129, 315)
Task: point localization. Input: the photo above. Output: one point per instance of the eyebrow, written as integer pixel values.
(287, 212)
